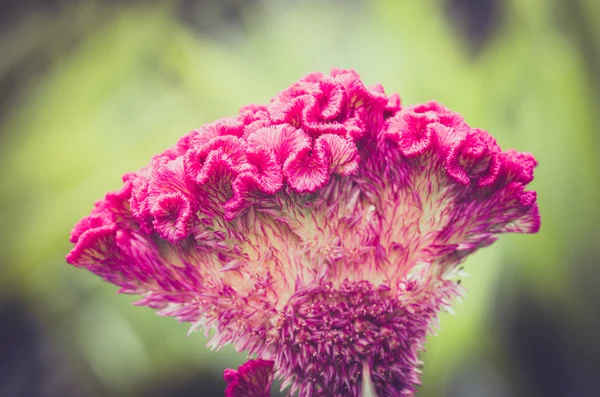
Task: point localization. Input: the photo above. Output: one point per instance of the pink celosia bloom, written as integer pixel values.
(322, 231)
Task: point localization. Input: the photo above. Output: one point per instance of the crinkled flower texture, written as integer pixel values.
(322, 232)
(252, 379)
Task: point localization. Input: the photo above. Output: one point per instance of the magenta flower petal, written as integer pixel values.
(252, 379)
(475, 157)
(307, 169)
(393, 105)
(172, 216)
(282, 139)
(322, 232)
(413, 132)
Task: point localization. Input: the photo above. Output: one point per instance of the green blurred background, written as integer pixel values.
(90, 90)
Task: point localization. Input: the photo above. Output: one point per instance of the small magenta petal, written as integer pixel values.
(474, 158)
(138, 203)
(172, 214)
(254, 117)
(284, 108)
(222, 157)
(441, 114)
(332, 99)
(343, 153)
(95, 246)
(266, 169)
(282, 139)
(265, 176)
(393, 105)
(93, 221)
(223, 127)
(412, 132)
(518, 166)
(358, 94)
(308, 169)
(252, 379)
(170, 177)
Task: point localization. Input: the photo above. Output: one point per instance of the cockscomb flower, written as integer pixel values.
(321, 233)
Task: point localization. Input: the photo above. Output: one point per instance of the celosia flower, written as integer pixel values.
(322, 231)
(253, 379)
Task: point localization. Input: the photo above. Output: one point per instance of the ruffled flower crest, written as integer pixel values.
(252, 379)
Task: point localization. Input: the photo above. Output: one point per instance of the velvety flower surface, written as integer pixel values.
(322, 231)
(252, 379)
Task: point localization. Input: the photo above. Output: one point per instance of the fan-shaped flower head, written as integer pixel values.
(322, 231)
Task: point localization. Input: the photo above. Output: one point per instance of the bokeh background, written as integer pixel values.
(90, 90)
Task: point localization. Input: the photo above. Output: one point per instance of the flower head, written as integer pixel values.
(322, 231)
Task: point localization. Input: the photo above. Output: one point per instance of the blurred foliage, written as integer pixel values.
(90, 90)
